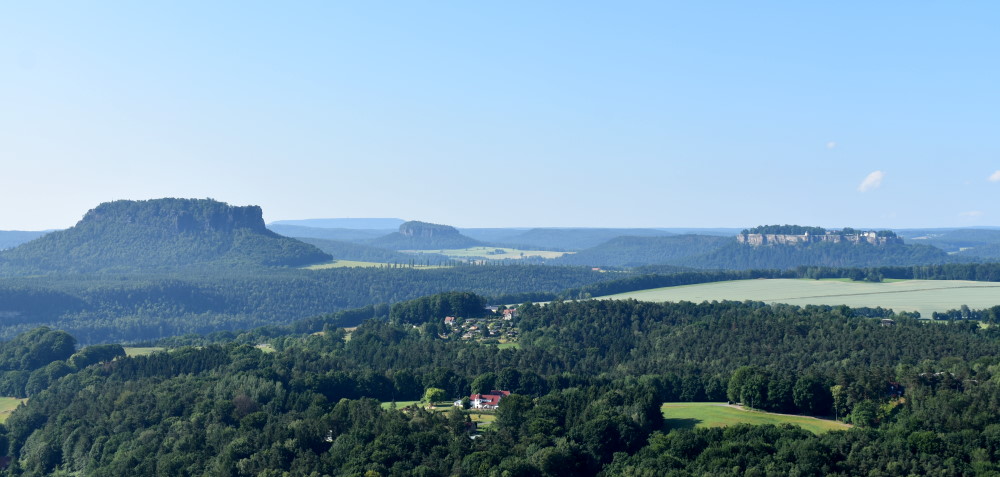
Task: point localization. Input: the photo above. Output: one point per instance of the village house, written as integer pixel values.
(449, 320)
(486, 401)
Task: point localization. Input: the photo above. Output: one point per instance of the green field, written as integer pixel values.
(134, 351)
(925, 296)
(7, 406)
(399, 404)
(686, 415)
(356, 264)
(490, 253)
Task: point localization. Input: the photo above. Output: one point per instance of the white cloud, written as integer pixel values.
(995, 177)
(873, 181)
(833, 144)
(972, 213)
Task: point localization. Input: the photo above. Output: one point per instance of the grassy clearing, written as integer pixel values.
(687, 415)
(490, 253)
(482, 419)
(267, 348)
(7, 406)
(925, 296)
(514, 345)
(356, 264)
(399, 404)
(139, 351)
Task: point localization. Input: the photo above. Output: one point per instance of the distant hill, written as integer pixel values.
(737, 256)
(343, 235)
(638, 251)
(415, 235)
(161, 234)
(571, 239)
(955, 240)
(986, 252)
(367, 253)
(13, 238)
(345, 223)
(492, 235)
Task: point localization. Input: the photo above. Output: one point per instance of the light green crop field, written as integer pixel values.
(356, 264)
(925, 296)
(7, 406)
(135, 351)
(491, 253)
(686, 415)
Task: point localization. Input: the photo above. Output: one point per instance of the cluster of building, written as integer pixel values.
(500, 328)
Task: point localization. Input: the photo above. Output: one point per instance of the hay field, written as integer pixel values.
(686, 415)
(925, 296)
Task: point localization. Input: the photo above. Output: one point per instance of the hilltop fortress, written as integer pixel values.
(795, 235)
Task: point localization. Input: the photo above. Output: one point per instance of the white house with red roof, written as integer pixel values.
(486, 401)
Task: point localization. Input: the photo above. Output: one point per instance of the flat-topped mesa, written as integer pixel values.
(178, 215)
(796, 235)
(415, 228)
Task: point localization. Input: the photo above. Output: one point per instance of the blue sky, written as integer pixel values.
(602, 114)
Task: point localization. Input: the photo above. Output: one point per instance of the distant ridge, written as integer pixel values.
(575, 238)
(13, 238)
(343, 235)
(345, 223)
(161, 234)
(416, 235)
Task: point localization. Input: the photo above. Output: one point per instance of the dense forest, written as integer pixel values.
(129, 307)
(588, 381)
(632, 251)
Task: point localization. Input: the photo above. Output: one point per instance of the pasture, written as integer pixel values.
(357, 264)
(7, 406)
(490, 253)
(399, 404)
(924, 296)
(687, 415)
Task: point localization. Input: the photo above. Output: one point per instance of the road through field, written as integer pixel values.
(924, 296)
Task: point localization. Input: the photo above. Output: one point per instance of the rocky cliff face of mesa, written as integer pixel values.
(871, 238)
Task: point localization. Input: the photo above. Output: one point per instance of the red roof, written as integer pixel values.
(491, 399)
